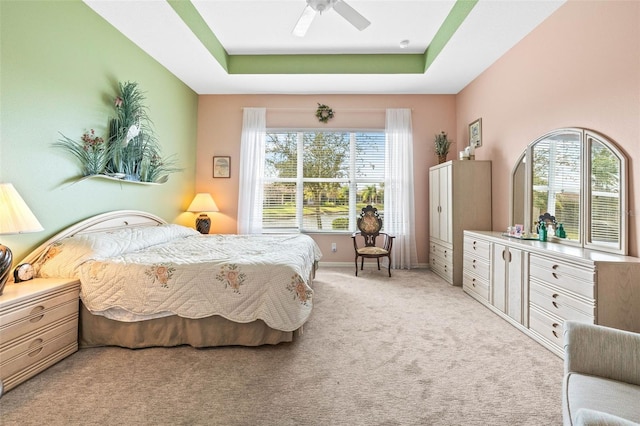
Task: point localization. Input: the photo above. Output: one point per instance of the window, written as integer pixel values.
(316, 181)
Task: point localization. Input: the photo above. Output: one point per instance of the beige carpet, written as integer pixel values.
(405, 350)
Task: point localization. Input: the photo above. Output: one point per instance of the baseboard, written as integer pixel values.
(351, 265)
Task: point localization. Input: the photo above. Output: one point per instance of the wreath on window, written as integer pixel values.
(324, 113)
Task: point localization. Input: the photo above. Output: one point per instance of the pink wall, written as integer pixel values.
(579, 68)
(220, 124)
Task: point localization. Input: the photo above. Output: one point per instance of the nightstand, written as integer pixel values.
(38, 326)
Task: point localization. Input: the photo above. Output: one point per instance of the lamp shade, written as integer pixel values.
(203, 202)
(15, 215)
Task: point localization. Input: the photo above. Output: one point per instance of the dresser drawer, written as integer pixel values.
(547, 327)
(560, 304)
(573, 278)
(37, 347)
(476, 266)
(472, 284)
(478, 248)
(444, 268)
(443, 253)
(38, 315)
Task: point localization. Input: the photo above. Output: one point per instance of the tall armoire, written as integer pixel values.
(459, 199)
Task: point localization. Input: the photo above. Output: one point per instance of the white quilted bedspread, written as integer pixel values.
(239, 277)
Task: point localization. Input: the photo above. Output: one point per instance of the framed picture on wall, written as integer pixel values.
(221, 167)
(475, 133)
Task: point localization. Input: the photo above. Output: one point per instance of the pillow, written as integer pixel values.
(62, 258)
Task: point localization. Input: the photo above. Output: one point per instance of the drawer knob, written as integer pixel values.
(554, 275)
(35, 352)
(555, 266)
(35, 343)
(37, 309)
(555, 305)
(555, 325)
(36, 319)
(555, 295)
(555, 334)
(473, 282)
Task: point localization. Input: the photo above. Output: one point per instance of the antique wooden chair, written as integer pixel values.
(364, 241)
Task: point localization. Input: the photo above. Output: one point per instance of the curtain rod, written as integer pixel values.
(315, 109)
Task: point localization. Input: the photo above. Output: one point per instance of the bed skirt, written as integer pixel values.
(96, 330)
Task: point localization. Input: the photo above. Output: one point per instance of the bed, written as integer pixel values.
(147, 283)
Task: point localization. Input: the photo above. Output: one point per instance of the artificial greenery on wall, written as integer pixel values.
(131, 151)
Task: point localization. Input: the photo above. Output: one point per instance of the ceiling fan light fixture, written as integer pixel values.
(404, 44)
(320, 5)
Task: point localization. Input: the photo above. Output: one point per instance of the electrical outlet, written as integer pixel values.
(334, 247)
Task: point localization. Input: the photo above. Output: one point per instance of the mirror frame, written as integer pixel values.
(586, 136)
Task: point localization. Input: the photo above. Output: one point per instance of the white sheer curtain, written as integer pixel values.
(399, 207)
(252, 152)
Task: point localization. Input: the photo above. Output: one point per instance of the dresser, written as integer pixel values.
(38, 327)
(459, 198)
(536, 285)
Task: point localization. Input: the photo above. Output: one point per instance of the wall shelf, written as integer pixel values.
(161, 181)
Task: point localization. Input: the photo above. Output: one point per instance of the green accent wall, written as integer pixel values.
(61, 64)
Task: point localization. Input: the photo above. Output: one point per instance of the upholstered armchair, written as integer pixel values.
(602, 375)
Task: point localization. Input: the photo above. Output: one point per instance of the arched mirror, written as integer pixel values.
(578, 177)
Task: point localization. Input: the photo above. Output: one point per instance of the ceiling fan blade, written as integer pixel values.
(350, 14)
(304, 22)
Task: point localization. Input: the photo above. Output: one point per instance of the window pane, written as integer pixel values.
(281, 155)
(279, 206)
(326, 206)
(326, 155)
(605, 194)
(556, 180)
(370, 156)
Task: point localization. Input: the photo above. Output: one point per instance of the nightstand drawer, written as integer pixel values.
(35, 316)
(38, 347)
(30, 347)
(36, 308)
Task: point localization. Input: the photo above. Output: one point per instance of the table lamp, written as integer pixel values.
(15, 218)
(203, 202)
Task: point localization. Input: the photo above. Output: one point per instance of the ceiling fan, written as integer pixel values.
(315, 6)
